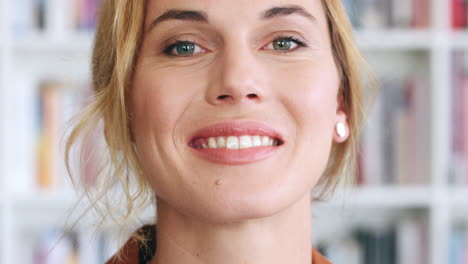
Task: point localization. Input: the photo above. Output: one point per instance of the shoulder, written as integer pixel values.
(133, 253)
(317, 258)
(128, 254)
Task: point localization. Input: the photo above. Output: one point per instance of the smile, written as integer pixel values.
(236, 143)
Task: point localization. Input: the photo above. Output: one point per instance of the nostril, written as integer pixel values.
(250, 96)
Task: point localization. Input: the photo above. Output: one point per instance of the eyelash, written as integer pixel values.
(169, 48)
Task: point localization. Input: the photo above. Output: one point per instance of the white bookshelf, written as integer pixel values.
(394, 40)
(39, 55)
(5, 206)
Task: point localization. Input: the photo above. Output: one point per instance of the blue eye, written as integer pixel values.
(186, 48)
(285, 44)
(181, 48)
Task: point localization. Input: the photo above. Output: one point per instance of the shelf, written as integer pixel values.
(44, 200)
(37, 44)
(400, 197)
(53, 57)
(383, 197)
(394, 40)
(458, 197)
(59, 202)
(459, 40)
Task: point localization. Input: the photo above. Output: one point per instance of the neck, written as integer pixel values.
(281, 238)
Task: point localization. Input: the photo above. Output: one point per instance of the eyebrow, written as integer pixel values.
(202, 17)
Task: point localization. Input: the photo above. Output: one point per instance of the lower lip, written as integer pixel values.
(238, 156)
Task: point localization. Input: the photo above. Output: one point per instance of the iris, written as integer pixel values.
(185, 48)
(282, 44)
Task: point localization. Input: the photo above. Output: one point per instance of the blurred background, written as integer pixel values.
(410, 203)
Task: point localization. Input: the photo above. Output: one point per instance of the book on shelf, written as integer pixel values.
(57, 103)
(458, 250)
(402, 242)
(459, 173)
(47, 137)
(383, 14)
(459, 9)
(392, 151)
(55, 18)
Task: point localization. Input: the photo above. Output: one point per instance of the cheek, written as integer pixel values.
(310, 98)
(156, 106)
(310, 95)
(158, 102)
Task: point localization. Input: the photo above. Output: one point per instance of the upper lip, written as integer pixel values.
(237, 128)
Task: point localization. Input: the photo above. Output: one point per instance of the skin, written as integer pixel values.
(253, 213)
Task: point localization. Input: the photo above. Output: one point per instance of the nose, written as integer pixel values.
(235, 77)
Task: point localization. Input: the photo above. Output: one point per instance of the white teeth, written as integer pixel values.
(242, 142)
(256, 141)
(232, 143)
(212, 143)
(221, 142)
(245, 142)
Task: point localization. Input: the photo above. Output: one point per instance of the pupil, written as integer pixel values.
(185, 48)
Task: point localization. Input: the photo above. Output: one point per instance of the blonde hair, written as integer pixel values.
(118, 39)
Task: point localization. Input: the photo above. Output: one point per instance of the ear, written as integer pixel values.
(341, 129)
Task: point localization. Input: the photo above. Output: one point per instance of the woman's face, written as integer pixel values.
(258, 68)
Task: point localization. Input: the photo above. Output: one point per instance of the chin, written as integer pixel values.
(235, 207)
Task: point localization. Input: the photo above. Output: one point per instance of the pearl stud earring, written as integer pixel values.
(341, 129)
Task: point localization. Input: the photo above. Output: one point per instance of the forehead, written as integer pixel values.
(229, 12)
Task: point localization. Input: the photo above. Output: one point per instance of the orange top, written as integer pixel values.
(131, 253)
